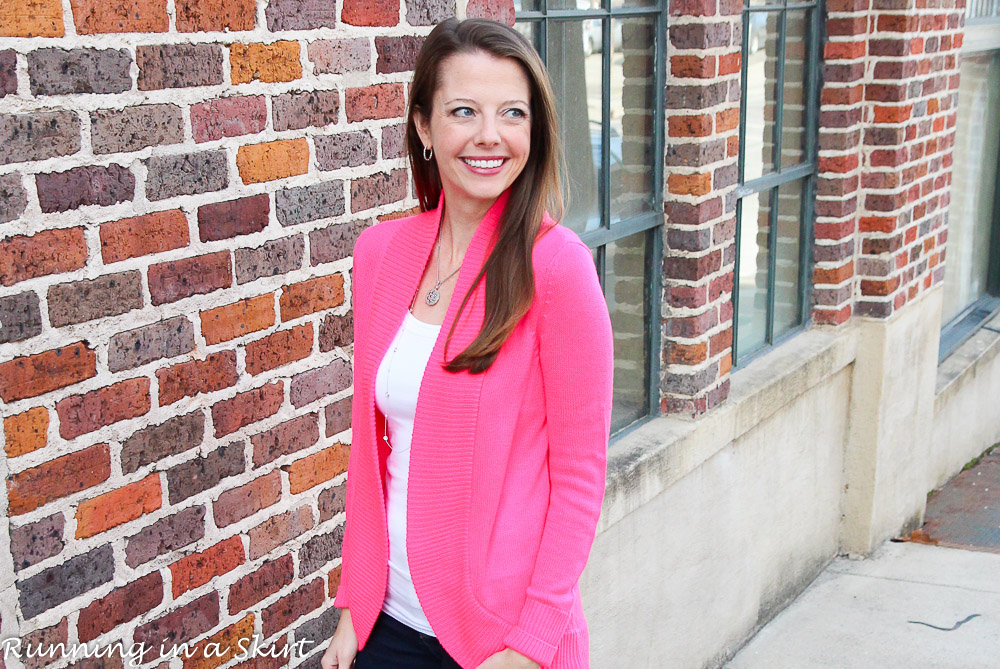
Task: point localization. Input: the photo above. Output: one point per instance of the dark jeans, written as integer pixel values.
(393, 645)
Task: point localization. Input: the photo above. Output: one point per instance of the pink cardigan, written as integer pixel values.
(507, 467)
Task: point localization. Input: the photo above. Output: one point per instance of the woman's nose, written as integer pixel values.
(488, 132)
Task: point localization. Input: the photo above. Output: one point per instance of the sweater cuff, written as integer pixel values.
(538, 631)
(340, 601)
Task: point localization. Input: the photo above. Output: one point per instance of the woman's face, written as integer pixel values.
(479, 127)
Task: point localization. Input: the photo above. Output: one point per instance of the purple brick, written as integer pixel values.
(377, 190)
(397, 54)
(294, 111)
(169, 533)
(276, 257)
(178, 65)
(164, 339)
(700, 35)
(309, 203)
(90, 299)
(346, 149)
(34, 542)
(20, 317)
(74, 71)
(332, 501)
(53, 586)
(38, 136)
(334, 242)
(300, 14)
(180, 625)
(83, 186)
(336, 331)
(341, 55)
(288, 437)
(8, 73)
(201, 474)
(310, 386)
(186, 174)
(224, 220)
(175, 435)
(338, 416)
(135, 128)
(428, 12)
(228, 117)
(13, 197)
(394, 141)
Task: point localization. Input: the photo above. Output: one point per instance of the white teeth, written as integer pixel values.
(483, 164)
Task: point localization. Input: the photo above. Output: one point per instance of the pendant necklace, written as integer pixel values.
(433, 295)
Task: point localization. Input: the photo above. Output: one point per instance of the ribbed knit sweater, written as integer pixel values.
(507, 467)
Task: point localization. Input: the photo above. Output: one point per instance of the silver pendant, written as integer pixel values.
(432, 296)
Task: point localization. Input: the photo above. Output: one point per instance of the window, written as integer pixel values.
(972, 251)
(777, 167)
(605, 60)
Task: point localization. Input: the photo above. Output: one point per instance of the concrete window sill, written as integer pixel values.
(976, 352)
(647, 461)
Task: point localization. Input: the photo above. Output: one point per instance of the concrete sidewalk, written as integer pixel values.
(878, 613)
(910, 605)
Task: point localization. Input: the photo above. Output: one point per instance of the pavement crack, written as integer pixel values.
(946, 629)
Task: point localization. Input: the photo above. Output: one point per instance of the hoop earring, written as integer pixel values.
(428, 153)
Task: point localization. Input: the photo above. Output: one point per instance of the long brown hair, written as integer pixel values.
(510, 281)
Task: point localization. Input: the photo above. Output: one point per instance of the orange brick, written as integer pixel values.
(118, 507)
(686, 354)
(839, 164)
(198, 569)
(876, 224)
(230, 642)
(726, 364)
(281, 159)
(31, 18)
(235, 320)
(693, 66)
(892, 114)
(727, 119)
(143, 235)
(730, 63)
(26, 432)
(34, 487)
(215, 15)
(278, 61)
(690, 126)
(308, 297)
(843, 50)
(689, 184)
(279, 349)
(120, 16)
(833, 276)
(33, 375)
(317, 468)
(334, 580)
(883, 287)
(732, 146)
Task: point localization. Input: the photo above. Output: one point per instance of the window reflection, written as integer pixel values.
(627, 291)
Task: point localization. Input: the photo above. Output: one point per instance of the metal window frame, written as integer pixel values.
(771, 182)
(651, 221)
(956, 331)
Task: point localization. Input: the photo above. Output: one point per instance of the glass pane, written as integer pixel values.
(793, 117)
(527, 5)
(577, 84)
(632, 104)
(760, 92)
(532, 30)
(615, 4)
(626, 289)
(753, 228)
(972, 212)
(787, 292)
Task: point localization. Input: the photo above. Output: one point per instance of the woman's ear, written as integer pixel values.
(423, 128)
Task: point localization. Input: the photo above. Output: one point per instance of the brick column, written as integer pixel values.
(702, 148)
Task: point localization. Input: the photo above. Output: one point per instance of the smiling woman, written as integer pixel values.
(475, 480)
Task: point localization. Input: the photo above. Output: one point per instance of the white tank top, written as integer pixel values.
(396, 385)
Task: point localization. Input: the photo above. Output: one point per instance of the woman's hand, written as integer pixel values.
(343, 646)
(508, 658)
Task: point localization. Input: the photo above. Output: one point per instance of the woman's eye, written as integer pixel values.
(463, 112)
(514, 112)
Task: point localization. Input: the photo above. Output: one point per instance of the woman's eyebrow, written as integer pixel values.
(506, 102)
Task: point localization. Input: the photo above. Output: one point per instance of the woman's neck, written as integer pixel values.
(459, 223)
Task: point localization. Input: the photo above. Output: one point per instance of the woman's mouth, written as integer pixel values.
(484, 165)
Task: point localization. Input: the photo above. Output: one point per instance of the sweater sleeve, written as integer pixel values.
(576, 351)
(361, 272)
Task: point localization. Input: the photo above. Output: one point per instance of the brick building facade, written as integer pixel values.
(181, 185)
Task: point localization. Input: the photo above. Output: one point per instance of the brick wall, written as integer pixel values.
(181, 185)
